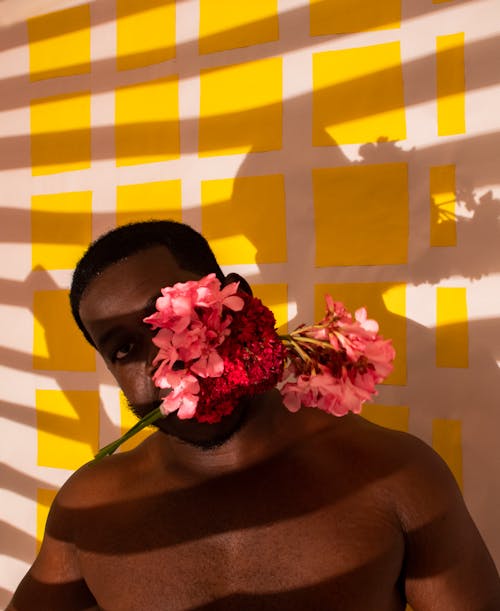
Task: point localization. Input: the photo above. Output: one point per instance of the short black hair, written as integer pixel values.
(188, 247)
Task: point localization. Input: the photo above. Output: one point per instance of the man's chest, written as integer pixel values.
(249, 552)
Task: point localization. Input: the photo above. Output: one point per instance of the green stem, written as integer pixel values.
(300, 330)
(311, 340)
(296, 341)
(145, 421)
(306, 358)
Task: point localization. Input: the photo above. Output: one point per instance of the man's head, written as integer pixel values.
(115, 286)
(189, 249)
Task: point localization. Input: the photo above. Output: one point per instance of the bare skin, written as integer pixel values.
(292, 512)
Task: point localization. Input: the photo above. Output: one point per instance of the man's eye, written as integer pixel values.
(123, 351)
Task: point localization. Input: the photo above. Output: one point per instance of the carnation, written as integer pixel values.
(253, 357)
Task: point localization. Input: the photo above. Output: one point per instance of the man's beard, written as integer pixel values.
(221, 433)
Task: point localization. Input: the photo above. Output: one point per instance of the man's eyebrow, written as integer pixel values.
(147, 309)
(103, 339)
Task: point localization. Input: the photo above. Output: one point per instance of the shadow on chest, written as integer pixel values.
(289, 489)
(253, 537)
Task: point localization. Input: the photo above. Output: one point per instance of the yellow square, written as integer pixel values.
(443, 230)
(147, 122)
(225, 24)
(59, 43)
(452, 331)
(58, 344)
(128, 420)
(361, 214)
(447, 441)
(394, 417)
(450, 84)
(60, 133)
(358, 95)
(68, 427)
(61, 229)
(241, 108)
(44, 499)
(151, 200)
(244, 219)
(345, 16)
(385, 302)
(275, 297)
(145, 32)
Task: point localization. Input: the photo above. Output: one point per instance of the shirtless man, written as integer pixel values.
(266, 510)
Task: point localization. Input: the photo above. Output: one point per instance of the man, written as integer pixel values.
(265, 510)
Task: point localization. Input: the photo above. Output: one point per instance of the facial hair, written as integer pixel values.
(221, 432)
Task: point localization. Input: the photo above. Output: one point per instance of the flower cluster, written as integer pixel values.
(335, 364)
(217, 345)
(194, 321)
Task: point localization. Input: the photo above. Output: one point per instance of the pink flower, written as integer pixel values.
(381, 353)
(193, 320)
(174, 308)
(209, 294)
(369, 325)
(178, 305)
(296, 393)
(209, 365)
(184, 396)
(335, 364)
(189, 344)
(321, 390)
(167, 351)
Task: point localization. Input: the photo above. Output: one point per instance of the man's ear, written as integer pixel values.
(244, 286)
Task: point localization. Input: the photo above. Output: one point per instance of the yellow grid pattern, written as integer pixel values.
(353, 214)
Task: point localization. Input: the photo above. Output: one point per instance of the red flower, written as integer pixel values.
(253, 356)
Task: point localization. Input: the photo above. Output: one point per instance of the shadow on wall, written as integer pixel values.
(104, 12)
(57, 147)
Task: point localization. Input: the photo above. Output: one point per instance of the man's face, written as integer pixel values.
(113, 308)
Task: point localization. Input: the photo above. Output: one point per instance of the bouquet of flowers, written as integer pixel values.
(217, 345)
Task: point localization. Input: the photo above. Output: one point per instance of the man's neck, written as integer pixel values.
(267, 429)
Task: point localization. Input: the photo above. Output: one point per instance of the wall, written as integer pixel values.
(345, 145)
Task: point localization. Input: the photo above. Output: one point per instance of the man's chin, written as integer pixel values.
(199, 434)
(144, 409)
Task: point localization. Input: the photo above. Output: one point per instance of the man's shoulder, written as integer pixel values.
(102, 480)
(409, 471)
(93, 490)
(381, 445)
